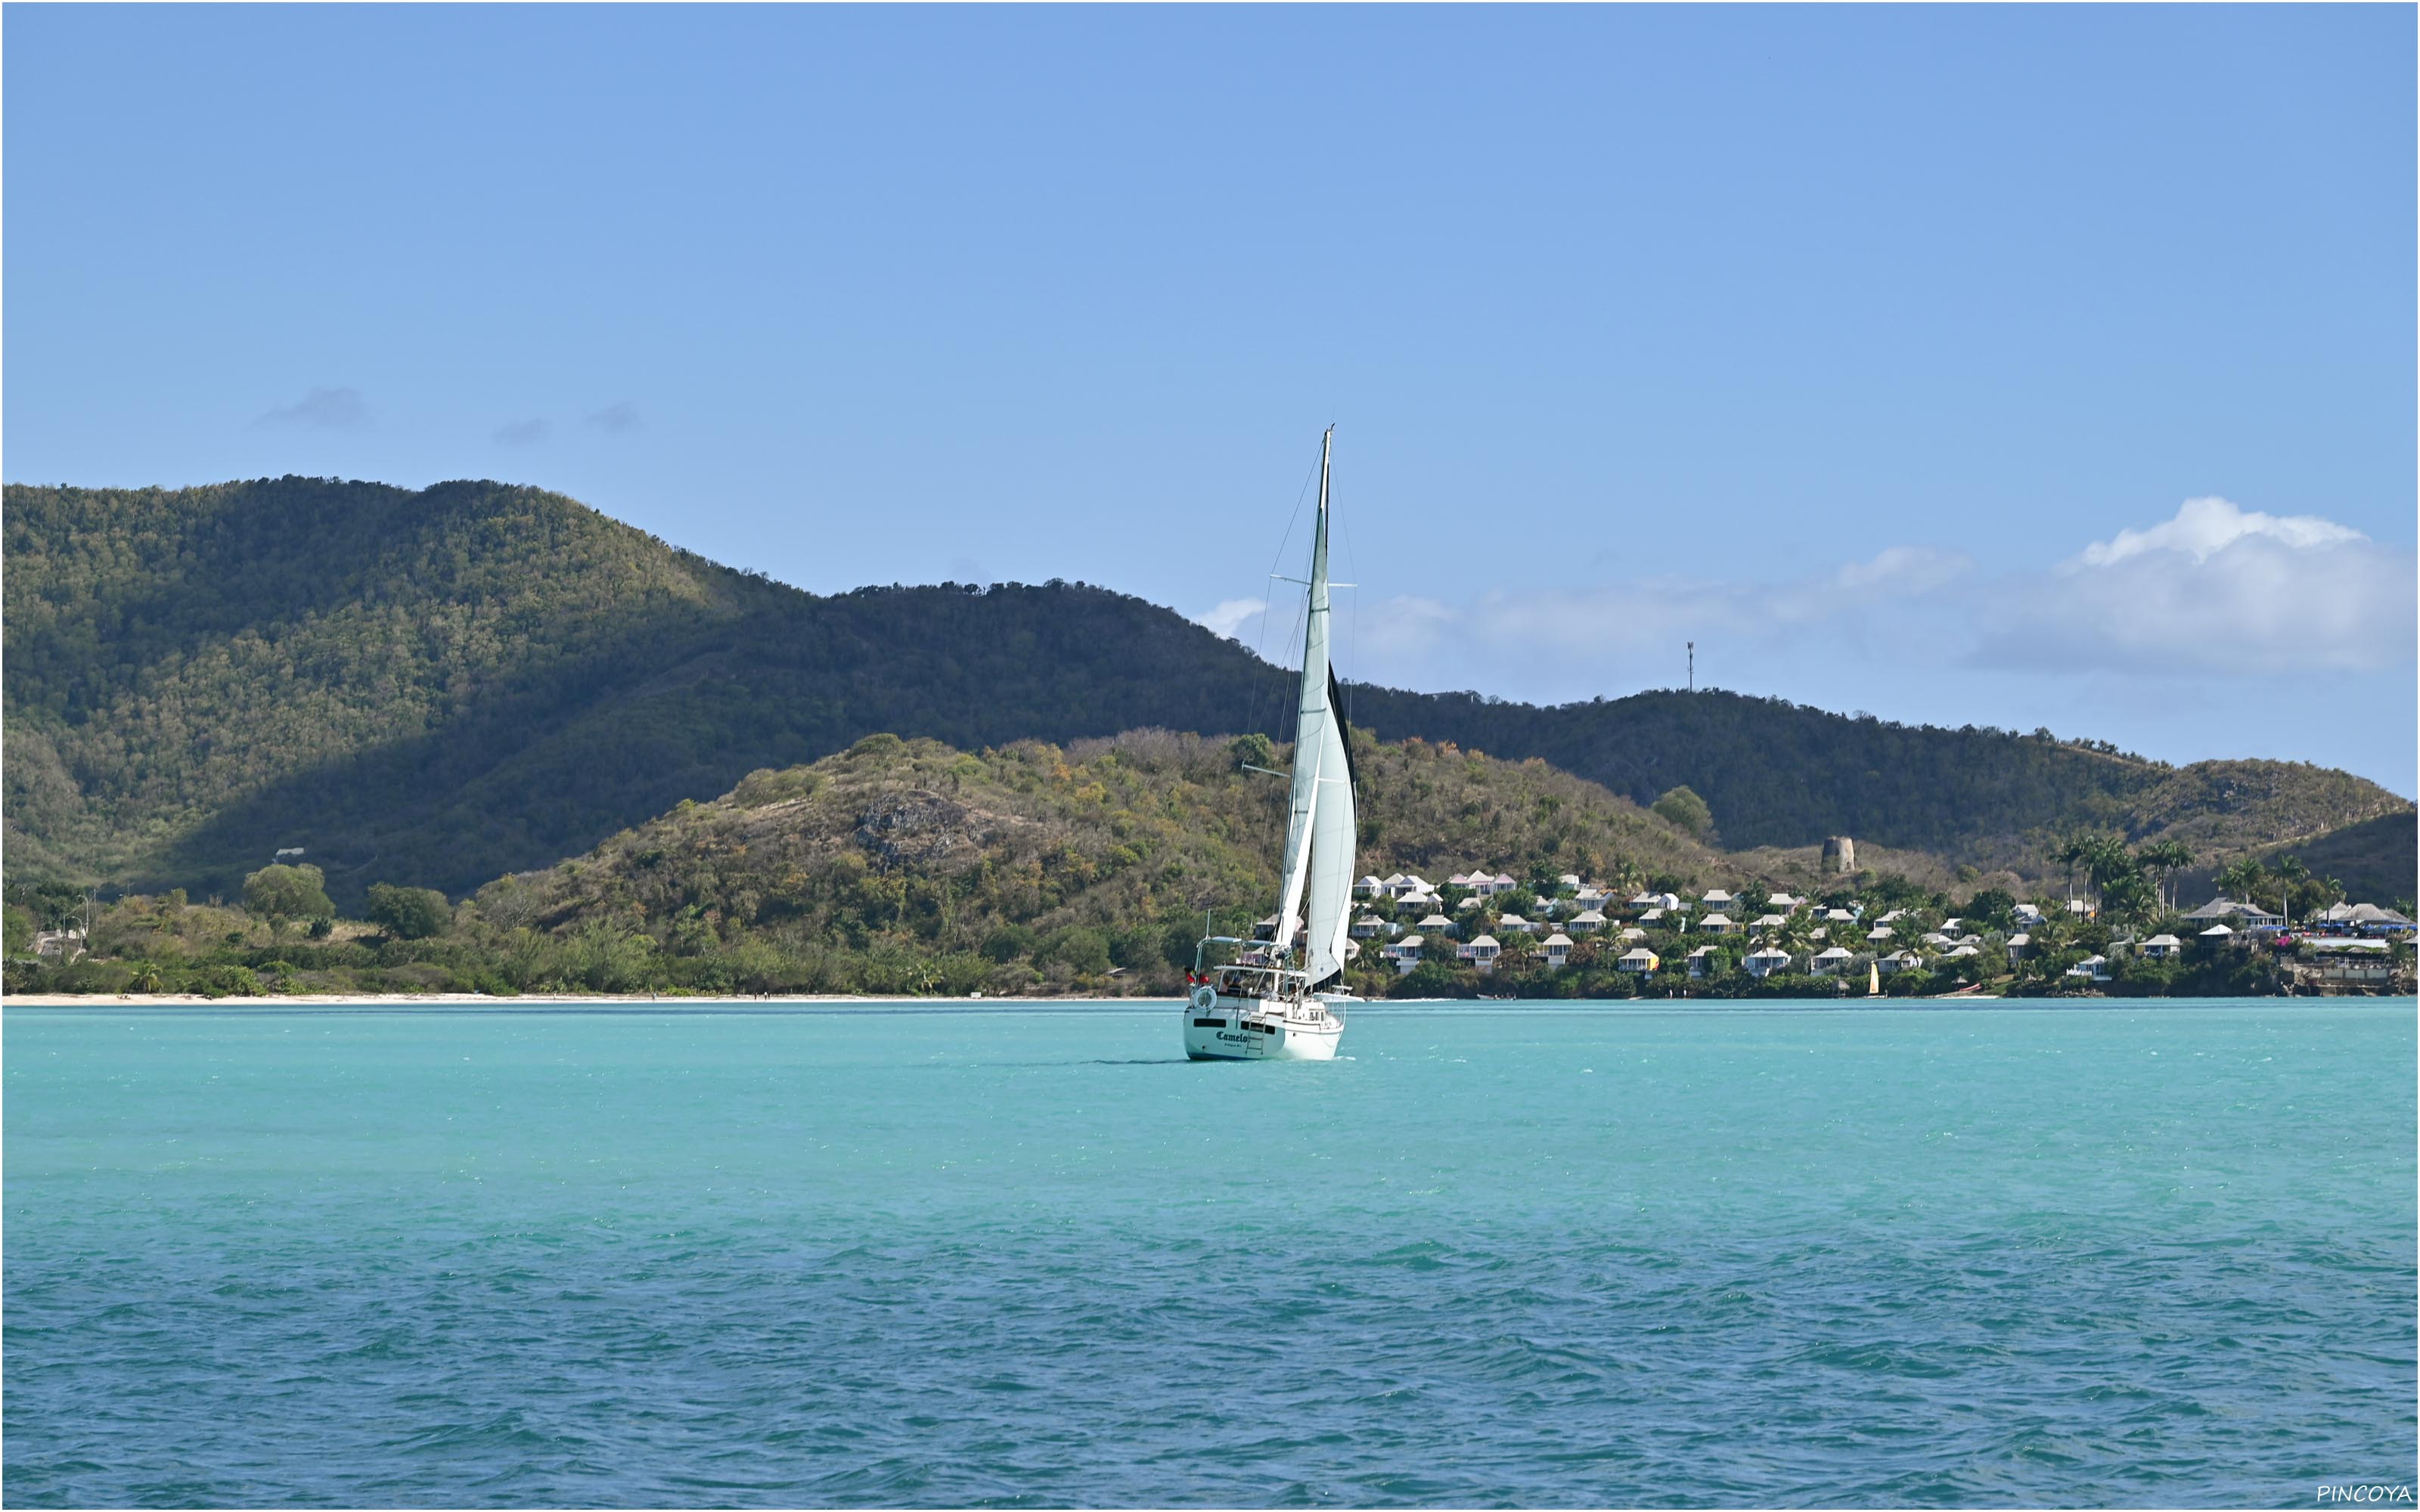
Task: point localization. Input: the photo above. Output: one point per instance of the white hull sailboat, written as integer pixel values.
(1279, 997)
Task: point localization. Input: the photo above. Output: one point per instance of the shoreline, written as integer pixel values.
(489, 1000)
(594, 1000)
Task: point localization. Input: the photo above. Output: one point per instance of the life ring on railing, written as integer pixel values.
(1205, 998)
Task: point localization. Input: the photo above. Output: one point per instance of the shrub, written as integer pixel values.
(410, 913)
(1010, 942)
(1682, 807)
(283, 892)
(1086, 950)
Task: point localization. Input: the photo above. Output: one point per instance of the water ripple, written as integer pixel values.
(762, 1261)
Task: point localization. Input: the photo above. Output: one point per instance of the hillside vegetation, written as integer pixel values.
(2375, 861)
(1035, 865)
(434, 687)
(908, 867)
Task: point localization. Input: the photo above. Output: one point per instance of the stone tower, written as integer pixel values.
(1840, 855)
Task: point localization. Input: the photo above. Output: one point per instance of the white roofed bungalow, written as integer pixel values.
(1404, 952)
(1558, 950)
(1766, 961)
(1481, 952)
(2370, 918)
(1440, 924)
(1586, 920)
(1638, 962)
(2228, 911)
(1718, 924)
(1701, 960)
(1831, 961)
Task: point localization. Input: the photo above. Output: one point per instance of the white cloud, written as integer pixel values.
(1905, 568)
(1608, 631)
(1231, 615)
(2205, 527)
(2216, 590)
(320, 410)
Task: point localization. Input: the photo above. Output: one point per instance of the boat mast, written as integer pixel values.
(1310, 715)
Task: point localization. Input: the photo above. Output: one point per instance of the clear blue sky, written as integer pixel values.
(1846, 343)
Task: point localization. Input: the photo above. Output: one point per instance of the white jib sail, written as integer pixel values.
(1331, 850)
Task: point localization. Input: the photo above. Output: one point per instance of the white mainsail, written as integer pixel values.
(1320, 829)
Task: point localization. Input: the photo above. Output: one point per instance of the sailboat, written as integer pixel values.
(1276, 995)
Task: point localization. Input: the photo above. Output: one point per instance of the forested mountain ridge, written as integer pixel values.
(446, 685)
(436, 687)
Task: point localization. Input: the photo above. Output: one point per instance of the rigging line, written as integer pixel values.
(1271, 684)
(1353, 624)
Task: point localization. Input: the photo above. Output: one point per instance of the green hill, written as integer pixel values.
(438, 687)
(900, 857)
(2375, 861)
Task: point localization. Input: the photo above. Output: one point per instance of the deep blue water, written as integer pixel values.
(1538, 1255)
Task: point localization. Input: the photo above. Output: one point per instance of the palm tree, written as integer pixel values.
(2071, 851)
(2242, 878)
(2292, 876)
(1797, 935)
(147, 980)
(2109, 861)
(2101, 856)
(2170, 857)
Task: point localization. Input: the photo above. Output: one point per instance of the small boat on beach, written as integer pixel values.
(1276, 996)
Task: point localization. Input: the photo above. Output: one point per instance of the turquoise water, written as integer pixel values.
(2128, 1254)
